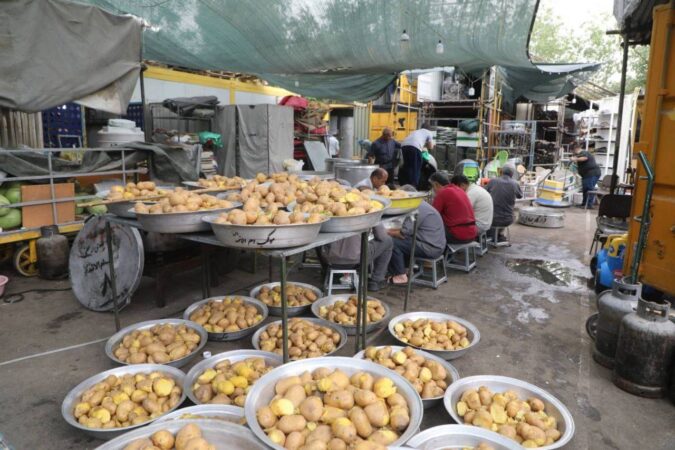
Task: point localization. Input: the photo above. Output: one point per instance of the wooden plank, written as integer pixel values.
(41, 215)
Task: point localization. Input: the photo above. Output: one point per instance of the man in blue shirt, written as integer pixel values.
(384, 152)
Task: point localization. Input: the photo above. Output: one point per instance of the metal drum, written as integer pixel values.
(541, 217)
(353, 173)
(332, 162)
(460, 436)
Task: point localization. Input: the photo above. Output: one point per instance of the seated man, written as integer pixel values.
(504, 191)
(430, 240)
(455, 208)
(480, 199)
(376, 180)
(348, 252)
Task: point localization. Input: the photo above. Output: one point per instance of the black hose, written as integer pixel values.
(17, 297)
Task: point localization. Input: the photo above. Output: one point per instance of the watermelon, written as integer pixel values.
(14, 195)
(11, 220)
(79, 209)
(4, 201)
(97, 210)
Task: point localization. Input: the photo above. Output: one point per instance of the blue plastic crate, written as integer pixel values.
(66, 121)
(135, 113)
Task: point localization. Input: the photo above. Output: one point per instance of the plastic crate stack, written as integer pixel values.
(135, 113)
(62, 126)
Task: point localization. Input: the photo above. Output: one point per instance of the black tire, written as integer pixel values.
(594, 265)
(591, 324)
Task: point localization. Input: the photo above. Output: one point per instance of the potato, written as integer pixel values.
(321, 433)
(294, 422)
(330, 414)
(384, 437)
(337, 444)
(507, 430)
(344, 429)
(163, 439)
(139, 444)
(396, 399)
(185, 434)
(284, 384)
(341, 399)
(361, 422)
(364, 397)
(296, 394)
(535, 404)
(399, 418)
(294, 440)
(377, 413)
(266, 417)
(311, 408)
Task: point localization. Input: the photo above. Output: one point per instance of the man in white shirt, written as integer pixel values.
(333, 146)
(480, 199)
(376, 180)
(411, 153)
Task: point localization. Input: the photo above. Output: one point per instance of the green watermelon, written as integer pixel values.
(14, 195)
(97, 210)
(11, 220)
(79, 209)
(4, 201)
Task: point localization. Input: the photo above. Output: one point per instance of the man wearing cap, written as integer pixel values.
(384, 151)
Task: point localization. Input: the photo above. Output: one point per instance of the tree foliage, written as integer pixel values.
(553, 42)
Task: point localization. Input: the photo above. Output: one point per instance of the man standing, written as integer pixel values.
(480, 199)
(589, 172)
(455, 209)
(384, 152)
(376, 180)
(504, 191)
(333, 146)
(411, 152)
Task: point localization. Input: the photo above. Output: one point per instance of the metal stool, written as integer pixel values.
(421, 276)
(494, 239)
(483, 242)
(468, 250)
(331, 271)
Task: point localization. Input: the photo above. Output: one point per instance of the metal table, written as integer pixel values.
(208, 238)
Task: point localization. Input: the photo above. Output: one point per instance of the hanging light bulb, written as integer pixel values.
(405, 37)
(472, 91)
(405, 41)
(439, 47)
(574, 99)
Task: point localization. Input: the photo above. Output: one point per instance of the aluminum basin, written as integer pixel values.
(179, 222)
(446, 437)
(291, 310)
(255, 341)
(350, 329)
(354, 173)
(230, 336)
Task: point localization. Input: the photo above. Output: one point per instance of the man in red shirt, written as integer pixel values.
(455, 208)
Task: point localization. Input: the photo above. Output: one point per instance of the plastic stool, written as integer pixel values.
(468, 250)
(421, 275)
(328, 284)
(494, 239)
(483, 242)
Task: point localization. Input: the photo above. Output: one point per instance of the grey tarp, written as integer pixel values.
(53, 52)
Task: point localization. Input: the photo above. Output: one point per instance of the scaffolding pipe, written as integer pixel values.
(622, 96)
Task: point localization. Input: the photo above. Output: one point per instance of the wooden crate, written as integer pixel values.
(41, 215)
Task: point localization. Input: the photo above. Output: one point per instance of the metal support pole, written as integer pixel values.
(364, 289)
(113, 278)
(284, 308)
(146, 123)
(622, 96)
(644, 219)
(411, 262)
(206, 273)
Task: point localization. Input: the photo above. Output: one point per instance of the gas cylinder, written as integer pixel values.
(53, 253)
(645, 350)
(613, 305)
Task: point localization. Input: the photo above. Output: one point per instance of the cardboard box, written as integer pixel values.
(42, 215)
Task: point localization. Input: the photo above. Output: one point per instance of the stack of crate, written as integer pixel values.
(62, 126)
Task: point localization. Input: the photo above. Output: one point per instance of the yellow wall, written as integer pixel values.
(379, 120)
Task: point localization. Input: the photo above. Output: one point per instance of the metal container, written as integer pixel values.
(472, 332)
(227, 413)
(495, 383)
(445, 437)
(264, 236)
(354, 173)
(309, 174)
(345, 224)
(324, 323)
(194, 185)
(453, 374)
(179, 222)
(53, 253)
(263, 391)
(541, 217)
(350, 329)
(405, 205)
(271, 359)
(232, 336)
(122, 209)
(73, 396)
(613, 305)
(224, 194)
(116, 339)
(291, 310)
(223, 435)
(645, 350)
(332, 162)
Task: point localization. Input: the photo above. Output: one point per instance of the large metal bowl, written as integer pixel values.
(445, 437)
(471, 331)
(73, 396)
(452, 373)
(354, 173)
(223, 435)
(307, 175)
(345, 224)
(179, 222)
(122, 209)
(350, 329)
(291, 310)
(264, 236)
(335, 327)
(227, 413)
(405, 205)
(115, 340)
(263, 391)
(553, 406)
(271, 359)
(233, 336)
(194, 185)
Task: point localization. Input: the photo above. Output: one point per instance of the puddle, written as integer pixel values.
(550, 272)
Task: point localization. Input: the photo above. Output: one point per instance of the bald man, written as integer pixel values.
(384, 151)
(376, 180)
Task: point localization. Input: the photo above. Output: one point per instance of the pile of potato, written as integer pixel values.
(226, 315)
(296, 295)
(228, 383)
(274, 194)
(525, 422)
(131, 399)
(344, 313)
(333, 199)
(256, 216)
(133, 191)
(432, 335)
(188, 438)
(306, 339)
(428, 377)
(181, 200)
(385, 191)
(481, 446)
(221, 182)
(340, 412)
(157, 345)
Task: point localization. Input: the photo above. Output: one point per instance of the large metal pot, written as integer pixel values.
(331, 162)
(353, 173)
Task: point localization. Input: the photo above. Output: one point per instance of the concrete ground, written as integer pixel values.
(530, 329)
